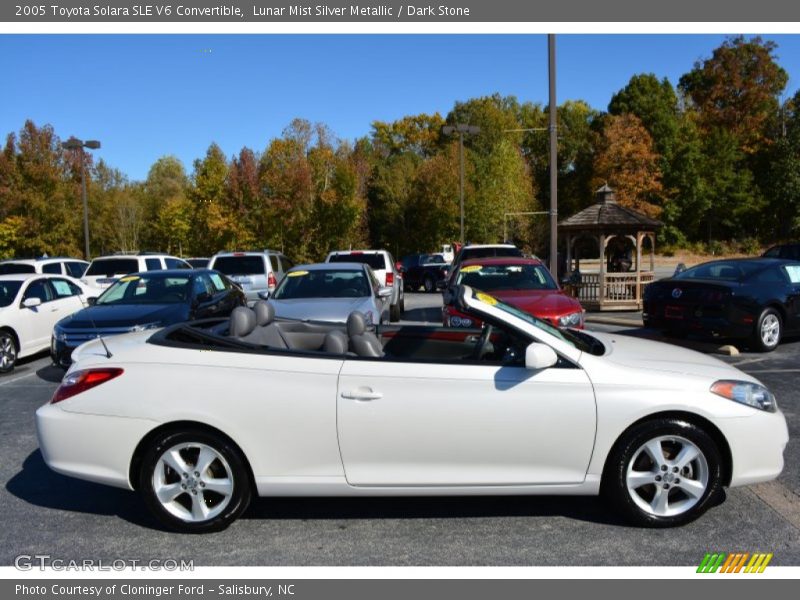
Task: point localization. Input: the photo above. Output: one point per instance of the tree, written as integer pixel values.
(627, 161)
(419, 134)
(167, 206)
(737, 89)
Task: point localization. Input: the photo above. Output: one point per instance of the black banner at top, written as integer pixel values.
(339, 11)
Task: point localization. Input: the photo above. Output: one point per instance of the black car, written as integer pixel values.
(423, 271)
(146, 300)
(788, 251)
(757, 299)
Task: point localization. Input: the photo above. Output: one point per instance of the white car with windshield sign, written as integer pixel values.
(201, 417)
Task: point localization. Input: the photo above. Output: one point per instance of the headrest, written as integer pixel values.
(356, 323)
(243, 322)
(335, 342)
(265, 312)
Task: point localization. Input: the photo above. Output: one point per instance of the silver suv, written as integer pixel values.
(383, 265)
(256, 272)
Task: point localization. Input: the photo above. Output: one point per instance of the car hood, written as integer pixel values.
(122, 315)
(539, 302)
(320, 309)
(651, 356)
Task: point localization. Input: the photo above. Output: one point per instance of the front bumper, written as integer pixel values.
(61, 353)
(757, 444)
(91, 447)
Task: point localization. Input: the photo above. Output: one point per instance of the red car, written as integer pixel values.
(522, 282)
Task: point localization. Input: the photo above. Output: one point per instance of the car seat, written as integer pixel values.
(362, 341)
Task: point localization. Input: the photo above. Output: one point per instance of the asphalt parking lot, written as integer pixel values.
(45, 513)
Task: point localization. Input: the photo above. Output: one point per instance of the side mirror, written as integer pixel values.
(31, 302)
(384, 292)
(264, 295)
(91, 301)
(540, 356)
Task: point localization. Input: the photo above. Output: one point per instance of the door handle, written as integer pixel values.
(361, 394)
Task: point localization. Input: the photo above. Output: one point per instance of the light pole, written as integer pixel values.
(551, 60)
(74, 143)
(461, 129)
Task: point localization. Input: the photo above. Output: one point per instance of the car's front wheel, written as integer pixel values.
(769, 330)
(663, 473)
(429, 284)
(194, 481)
(8, 352)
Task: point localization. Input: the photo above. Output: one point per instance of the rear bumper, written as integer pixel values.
(90, 447)
(705, 326)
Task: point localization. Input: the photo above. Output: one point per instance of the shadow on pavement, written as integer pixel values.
(51, 373)
(40, 486)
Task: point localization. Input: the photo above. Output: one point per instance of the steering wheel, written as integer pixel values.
(483, 342)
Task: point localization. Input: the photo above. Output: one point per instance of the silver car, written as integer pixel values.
(256, 272)
(330, 292)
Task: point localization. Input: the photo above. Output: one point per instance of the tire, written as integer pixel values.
(8, 352)
(768, 331)
(394, 312)
(650, 493)
(428, 284)
(184, 511)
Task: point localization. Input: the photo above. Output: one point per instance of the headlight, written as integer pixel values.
(146, 326)
(460, 322)
(744, 392)
(571, 320)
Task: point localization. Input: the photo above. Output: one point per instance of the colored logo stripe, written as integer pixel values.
(734, 563)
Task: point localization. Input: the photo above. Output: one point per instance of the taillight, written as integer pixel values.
(80, 381)
(389, 278)
(271, 281)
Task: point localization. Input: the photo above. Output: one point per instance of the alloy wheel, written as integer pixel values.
(193, 482)
(667, 476)
(8, 353)
(770, 330)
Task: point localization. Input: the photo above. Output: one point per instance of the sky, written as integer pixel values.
(146, 96)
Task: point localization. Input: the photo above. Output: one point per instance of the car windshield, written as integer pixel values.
(16, 268)
(240, 265)
(723, 270)
(372, 259)
(433, 259)
(468, 253)
(147, 289)
(8, 291)
(495, 278)
(108, 267)
(323, 283)
(579, 340)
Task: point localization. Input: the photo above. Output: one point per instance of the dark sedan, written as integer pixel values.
(141, 301)
(423, 271)
(757, 299)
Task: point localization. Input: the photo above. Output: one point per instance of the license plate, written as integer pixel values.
(673, 312)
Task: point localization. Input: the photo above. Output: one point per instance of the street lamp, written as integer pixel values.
(74, 143)
(461, 129)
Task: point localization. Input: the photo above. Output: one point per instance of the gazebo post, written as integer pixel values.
(601, 294)
(653, 252)
(569, 254)
(638, 268)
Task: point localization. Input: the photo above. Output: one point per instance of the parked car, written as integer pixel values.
(106, 270)
(256, 272)
(523, 408)
(522, 282)
(330, 292)
(485, 251)
(72, 267)
(385, 269)
(30, 304)
(198, 262)
(787, 251)
(142, 301)
(423, 270)
(753, 299)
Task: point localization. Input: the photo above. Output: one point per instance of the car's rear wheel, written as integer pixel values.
(8, 352)
(429, 284)
(394, 311)
(663, 473)
(768, 331)
(194, 481)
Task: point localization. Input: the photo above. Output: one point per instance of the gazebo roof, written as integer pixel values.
(606, 214)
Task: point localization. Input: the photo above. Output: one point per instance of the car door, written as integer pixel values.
(210, 302)
(67, 297)
(792, 274)
(36, 323)
(463, 423)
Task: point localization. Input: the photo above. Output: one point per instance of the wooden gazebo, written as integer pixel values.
(619, 282)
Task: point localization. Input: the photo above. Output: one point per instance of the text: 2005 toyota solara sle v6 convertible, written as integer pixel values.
(200, 417)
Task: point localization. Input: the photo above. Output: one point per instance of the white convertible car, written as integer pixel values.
(200, 417)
